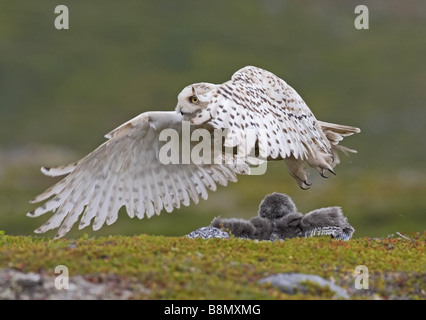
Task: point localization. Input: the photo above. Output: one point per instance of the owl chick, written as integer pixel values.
(286, 222)
(264, 228)
(275, 206)
(238, 227)
(288, 226)
(326, 221)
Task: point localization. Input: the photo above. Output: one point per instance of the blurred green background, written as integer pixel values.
(62, 90)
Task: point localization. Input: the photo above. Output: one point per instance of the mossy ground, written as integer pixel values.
(183, 268)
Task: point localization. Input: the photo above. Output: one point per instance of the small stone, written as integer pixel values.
(207, 233)
(291, 283)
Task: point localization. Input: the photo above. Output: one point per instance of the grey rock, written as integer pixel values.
(207, 233)
(16, 285)
(291, 283)
(29, 280)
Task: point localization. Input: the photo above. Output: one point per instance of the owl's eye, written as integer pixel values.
(193, 99)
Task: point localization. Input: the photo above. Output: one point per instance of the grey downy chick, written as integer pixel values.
(263, 227)
(288, 226)
(274, 208)
(276, 205)
(326, 221)
(238, 227)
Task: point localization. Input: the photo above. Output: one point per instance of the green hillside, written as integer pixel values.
(183, 268)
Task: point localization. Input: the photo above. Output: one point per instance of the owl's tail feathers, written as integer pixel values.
(335, 133)
(338, 130)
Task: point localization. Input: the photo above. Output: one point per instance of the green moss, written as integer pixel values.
(183, 268)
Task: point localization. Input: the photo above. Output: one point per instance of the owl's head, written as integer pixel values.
(194, 98)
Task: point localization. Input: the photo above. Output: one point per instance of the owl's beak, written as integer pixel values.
(179, 109)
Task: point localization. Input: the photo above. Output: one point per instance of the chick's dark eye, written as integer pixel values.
(193, 99)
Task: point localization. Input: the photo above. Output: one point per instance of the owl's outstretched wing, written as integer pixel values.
(262, 112)
(126, 171)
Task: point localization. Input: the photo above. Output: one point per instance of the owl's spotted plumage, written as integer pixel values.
(256, 109)
(280, 124)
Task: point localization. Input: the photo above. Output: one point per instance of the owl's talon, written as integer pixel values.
(303, 188)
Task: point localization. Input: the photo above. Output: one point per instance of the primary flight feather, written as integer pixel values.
(260, 116)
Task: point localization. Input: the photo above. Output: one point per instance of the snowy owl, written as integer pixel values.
(145, 170)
